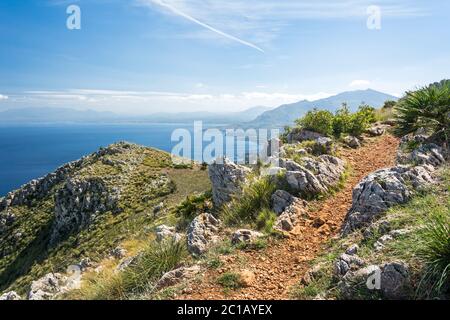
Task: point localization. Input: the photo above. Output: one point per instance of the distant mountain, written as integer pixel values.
(288, 113)
(209, 117)
(66, 115)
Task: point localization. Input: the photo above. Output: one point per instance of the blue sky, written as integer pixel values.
(145, 56)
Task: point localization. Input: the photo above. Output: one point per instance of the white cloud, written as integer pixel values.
(3, 97)
(145, 102)
(359, 84)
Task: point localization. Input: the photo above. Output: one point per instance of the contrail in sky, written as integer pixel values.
(186, 16)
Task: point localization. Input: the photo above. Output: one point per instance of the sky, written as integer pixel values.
(147, 56)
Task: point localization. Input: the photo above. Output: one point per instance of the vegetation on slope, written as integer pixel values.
(426, 248)
(146, 178)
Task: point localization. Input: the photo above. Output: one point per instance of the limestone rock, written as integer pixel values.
(176, 276)
(376, 131)
(201, 232)
(226, 179)
(314, 176)
(381, 190)
(345, 263)
(164, 233)
(245, 236)
(281, 200)
(395, 281)
(79, 203)
(291, 215)
(47, 287)
(300, 135)
(352, 250)
(12, 295)
(352, 142)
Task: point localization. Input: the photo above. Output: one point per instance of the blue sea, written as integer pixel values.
(29, 152)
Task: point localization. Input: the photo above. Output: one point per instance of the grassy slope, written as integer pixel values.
(434, 200)
(29, 258)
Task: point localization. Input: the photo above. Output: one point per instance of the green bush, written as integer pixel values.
(361, 120)
(320, 121)
(428, 108)
(193, 205)
(266, 220)
(254, 198)
(230, 280)
(436, 254)
(389, 104)
(342, 120)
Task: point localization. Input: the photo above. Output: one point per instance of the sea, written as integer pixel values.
(31, 151)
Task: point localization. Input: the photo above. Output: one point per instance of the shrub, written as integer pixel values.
(254, 198)
(320, 121)
(389, 104)
(360, 121)
(230, 280)
(266, 220)
(193, 205)
(436, 254)
(341, 121)
(425, 108)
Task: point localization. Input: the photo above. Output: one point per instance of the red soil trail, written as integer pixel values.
(283, 263)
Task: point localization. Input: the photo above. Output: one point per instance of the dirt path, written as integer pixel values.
(284, 262)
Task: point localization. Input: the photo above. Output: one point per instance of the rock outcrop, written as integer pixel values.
(245, 236)
(390, 281)
(290, 216)
(352, 142)
(166, 233)
(10, 296)
(47, 287)
(381, 190)
(79, 203)
(201, 233)
(300, 135)
(281, 200)
(176, 276)
(226, 179)
(314, 176)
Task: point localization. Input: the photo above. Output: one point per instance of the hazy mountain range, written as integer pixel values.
(288, 113)
(256, 116)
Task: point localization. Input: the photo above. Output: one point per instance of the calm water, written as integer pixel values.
(29, 152)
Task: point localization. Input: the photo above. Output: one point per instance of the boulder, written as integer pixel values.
(226, 179)
(290, 217)
(47, 287)
(395, 281)
(376, 131)
(245, 236)
(314, 176)
(381, 190)
(300, 135)
(428, 154)
(165, 233)
(347, 262)
(176, 276)
(390, 281)
(352, 142)
(201, 232)
(12, 295)
(352, 250)
(281, 200)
